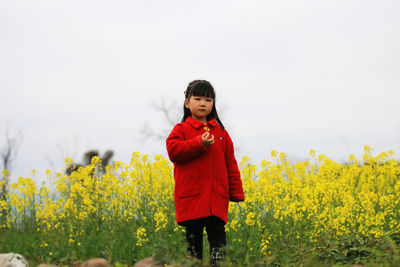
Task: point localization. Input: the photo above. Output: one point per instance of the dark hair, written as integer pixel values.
(201, 88)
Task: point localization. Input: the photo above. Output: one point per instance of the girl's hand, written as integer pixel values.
(207, 141)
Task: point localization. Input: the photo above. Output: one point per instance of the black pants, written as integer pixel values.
(215, 228)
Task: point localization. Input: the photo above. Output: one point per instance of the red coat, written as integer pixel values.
(206, 178)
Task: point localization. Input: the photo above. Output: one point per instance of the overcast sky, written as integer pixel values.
(289, 75)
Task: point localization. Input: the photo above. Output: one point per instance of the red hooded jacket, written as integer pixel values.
(206, 178)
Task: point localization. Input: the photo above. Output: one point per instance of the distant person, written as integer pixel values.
(206, 173)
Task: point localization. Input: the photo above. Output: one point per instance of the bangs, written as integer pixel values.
(202, 89)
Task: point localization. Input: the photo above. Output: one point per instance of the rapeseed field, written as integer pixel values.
(294, 213)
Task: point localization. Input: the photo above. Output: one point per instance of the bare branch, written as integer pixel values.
(8, 155)
(170, 115)
(9, 151)
(167, 110)
(147, 132)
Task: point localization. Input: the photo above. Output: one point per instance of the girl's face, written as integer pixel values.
(200, 107)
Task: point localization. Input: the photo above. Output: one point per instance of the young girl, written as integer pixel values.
(206, 173)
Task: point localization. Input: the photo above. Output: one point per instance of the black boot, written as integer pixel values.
(216, 256)
(194, 253)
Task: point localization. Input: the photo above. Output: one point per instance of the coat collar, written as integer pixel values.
(198, 124)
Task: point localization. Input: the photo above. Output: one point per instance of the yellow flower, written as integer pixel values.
(250, 219)
(161, 220)
(141, 236)
(95, 160)
(5, 173)
(312, 153)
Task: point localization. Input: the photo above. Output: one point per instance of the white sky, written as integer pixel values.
(289, 75)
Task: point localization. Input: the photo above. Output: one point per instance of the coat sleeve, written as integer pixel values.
(181, 150)
(236, 193)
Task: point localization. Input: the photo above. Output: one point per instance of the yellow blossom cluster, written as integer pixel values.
(319, 198)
